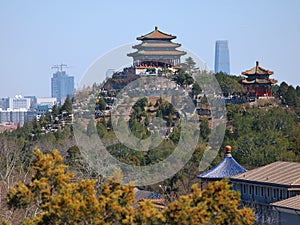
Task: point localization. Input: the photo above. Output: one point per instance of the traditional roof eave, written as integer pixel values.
(156, 35)
(157, 53)
(260, 81)
(226, 168)
(257, 70)
(157, 45)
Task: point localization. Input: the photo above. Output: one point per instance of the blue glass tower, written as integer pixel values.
(62, 85)
(222, 61)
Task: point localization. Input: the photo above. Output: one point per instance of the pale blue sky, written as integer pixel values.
(38, 34)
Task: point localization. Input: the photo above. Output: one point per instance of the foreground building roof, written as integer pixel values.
(226, 168)
(290, 203)
(278, 173)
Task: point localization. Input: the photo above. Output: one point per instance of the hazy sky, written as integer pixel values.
(38, 34)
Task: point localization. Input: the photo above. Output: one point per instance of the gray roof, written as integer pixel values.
(289, 203)
(141, 194)
(282, 173)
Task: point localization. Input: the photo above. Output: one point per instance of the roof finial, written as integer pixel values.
(228, 151)
(257, 63)
(156, 27)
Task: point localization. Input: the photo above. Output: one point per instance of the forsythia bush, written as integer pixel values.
(53, 198)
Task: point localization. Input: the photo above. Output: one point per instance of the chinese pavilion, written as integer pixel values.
(258, 83)
(157, 50)
(226, 168)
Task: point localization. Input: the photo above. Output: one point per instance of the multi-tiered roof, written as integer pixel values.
(258, 82)
(156, 49)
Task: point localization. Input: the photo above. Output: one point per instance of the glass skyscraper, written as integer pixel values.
(62, 86)
(222, 61)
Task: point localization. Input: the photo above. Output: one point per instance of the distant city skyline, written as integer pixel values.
(222, 57)
(36, 35)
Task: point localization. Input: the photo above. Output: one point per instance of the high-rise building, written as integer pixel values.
(62, 85)
(222, 61)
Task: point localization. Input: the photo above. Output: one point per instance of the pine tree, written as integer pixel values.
(290, 96)
(67, 106)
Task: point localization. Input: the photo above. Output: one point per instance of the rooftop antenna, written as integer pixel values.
(59, 68)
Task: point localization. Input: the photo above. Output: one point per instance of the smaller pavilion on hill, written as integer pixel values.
(226, 168)
(257, 82)
(156, 50)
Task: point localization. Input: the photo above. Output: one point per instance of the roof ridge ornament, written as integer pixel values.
(228, 151)
(257, 66)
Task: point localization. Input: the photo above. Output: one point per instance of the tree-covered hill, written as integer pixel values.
(260, 132)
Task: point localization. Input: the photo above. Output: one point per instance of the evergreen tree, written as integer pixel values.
(73, 156)
(36, 126)
(182, 78)
(101, 104)
(230, 84)
(196, 89)
(67, 106)
(189, 65)
(298, 91)
(55, 111)
(290, 96)
(101, 129)
(48, 117)
(283, 88)
(42, 121)
(204, 129)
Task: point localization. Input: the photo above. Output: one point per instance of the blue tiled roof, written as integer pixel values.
(226, 168)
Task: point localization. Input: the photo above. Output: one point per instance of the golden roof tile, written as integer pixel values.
(156, 34)
(257, 70)
(157, 45)
(260, 81)
(144, 52)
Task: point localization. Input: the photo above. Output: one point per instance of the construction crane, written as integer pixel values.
(59, 67)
